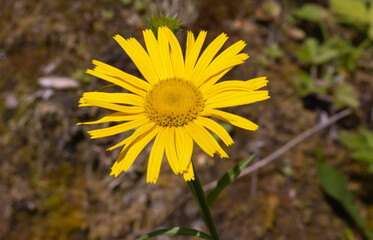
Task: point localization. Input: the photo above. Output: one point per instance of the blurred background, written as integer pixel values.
(54, 180)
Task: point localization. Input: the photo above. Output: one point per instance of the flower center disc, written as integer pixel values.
(173, 102)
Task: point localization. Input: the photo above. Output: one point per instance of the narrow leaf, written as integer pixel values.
(177, 231)
(334, 185)
(228, 178)
(363, 155)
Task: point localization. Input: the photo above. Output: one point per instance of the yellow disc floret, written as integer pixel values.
(173, 102)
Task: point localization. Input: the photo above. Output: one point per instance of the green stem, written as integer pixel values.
(199, 197)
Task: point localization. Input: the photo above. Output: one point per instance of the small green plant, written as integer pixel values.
(347, 53)
(329, 85)
(312, 52)
(274, 51)
(362, 145)
(356, 13)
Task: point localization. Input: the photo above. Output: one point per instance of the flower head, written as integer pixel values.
(174, 103)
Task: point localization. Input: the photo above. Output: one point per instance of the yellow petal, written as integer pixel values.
(171, 150)
(217, 129)
(236, 85)
(189, 174)
(184, 147)
(164, 52)
(235, 98)
(190, 59)
(105, 132)
(176, 54)
(125, 77)
(140, 57)
(230, 118)
(207, 55)
(214, 70)
(204, 139)
(124, 98)
(143, 129)
(205, 87)
(189, 44)
(117, 81)
(156, 157)
(123, 164)
(112, 106)
(227, 56)
(153, 50)
(114, 117)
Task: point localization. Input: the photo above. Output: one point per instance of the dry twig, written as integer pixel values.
(287, 146)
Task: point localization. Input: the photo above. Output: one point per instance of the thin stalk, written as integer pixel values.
(203, 207)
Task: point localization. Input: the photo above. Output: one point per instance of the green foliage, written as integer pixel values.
(347, 53)
(306, 85)
(350, 11)
(228, 178)
(273, 51)
(354, 12)
(312, 52)
(362, 145)
(311, 12)
(340, 56)
(177, 231)
(159, 20)
(334, 185)
(342, 94)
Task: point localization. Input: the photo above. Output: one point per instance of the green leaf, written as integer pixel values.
(305, 84)
(314, 53)
(350, 11)
(228, 178)
(334, 185)
(344, 96)
(363, 155)
(273, 51)
(177, 231)
(353, 141)
(311, 12)
(354, 12)
(368, 137)
(362, 144)
(308, 51)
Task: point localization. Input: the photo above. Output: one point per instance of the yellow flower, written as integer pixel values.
(175, 102)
